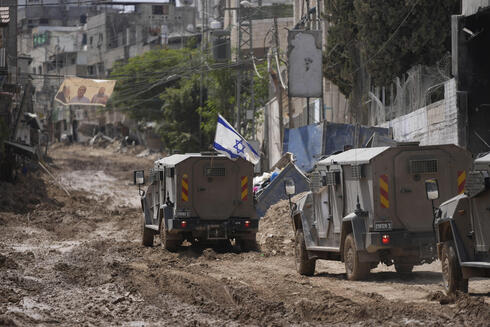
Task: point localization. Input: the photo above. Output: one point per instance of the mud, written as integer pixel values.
(77, 261)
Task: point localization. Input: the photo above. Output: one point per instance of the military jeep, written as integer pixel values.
(203, 198)
(462, 226)
(368, 206)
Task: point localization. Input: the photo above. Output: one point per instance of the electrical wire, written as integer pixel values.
(383, 46)
(255, 67)
(279, 72)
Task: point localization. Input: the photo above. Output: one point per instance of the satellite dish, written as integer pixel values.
(190, 28)
(187, 2)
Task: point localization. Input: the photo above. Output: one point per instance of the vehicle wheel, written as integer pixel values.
(403, 268)
(146, 234)
(452, 276)
(249, 243)
(167, 243)
(304, 265)
(355, 270)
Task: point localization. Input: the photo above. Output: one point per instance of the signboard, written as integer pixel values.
(305, 64)
(84, 91)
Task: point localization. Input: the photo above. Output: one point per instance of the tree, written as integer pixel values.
(163, 86)
(144, 78)
(384, 38)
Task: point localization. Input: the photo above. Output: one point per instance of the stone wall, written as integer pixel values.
(436, 123)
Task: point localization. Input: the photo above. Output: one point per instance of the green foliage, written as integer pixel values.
(338, 60)
(144, 78)
(180, 124)
(364, 27)
(163, 86)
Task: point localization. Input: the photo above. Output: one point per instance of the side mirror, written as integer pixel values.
(432, 189)
(289, 186)
(139, 177)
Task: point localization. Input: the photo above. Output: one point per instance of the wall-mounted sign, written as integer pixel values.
(305, 64)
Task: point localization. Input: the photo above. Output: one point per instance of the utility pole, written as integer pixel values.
(278, 84)
(203, 52)
(244, 73)
(308, 25)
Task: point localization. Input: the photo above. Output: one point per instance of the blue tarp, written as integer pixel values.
(305, 143)
(337, 136)
(275, 190)
(309, 143)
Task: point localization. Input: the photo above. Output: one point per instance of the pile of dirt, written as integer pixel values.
(24, 194)
(276, 234)
(470, 308)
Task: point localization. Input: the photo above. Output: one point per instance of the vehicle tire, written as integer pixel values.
(354, 269)
(249, 243)
(304, 265)
(403, 268)
(167, 243)
(452, 276)
(146, 234)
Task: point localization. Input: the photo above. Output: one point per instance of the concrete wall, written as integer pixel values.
(436, 123)
(470, 7)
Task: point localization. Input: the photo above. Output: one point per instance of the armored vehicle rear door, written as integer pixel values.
(411, 169)
(215, 187)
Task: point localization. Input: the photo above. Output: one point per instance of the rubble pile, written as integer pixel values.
(24, 194)
(276, 235)
(124, 145)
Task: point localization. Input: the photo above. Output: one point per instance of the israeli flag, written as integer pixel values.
(232, 144)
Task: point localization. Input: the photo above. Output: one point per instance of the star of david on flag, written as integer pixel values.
(228, 142)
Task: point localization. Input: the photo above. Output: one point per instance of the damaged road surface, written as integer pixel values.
(77, 260)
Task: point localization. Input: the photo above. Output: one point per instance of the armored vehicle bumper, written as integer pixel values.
(402, 243)
(213, 229)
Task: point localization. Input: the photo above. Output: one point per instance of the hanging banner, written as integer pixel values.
(84, 91)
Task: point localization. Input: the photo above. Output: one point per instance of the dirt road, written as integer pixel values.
(77, 261)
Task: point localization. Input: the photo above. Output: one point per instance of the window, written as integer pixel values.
(332, 178)
(160, 10)
(356, 171)
(423, 166)
(212, 172)
(157, 10)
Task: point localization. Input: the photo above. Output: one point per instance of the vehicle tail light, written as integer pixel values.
(183, 224)
(247, 223)
(385, 239)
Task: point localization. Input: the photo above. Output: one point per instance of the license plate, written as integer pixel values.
(385, 225)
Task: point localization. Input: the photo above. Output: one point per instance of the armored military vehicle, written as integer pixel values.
(368, 206)
(463, 228)
(205, 198)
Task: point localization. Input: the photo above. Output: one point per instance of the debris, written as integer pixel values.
(54, 178)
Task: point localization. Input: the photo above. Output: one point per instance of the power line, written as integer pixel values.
(383, 46)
